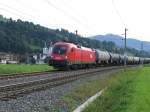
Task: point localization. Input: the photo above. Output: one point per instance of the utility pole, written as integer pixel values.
(125, 46)
(142, 50)
(76, 36)
(141, 45)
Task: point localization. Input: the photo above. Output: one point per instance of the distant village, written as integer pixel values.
(9, 58)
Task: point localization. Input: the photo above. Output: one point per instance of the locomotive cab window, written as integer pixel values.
(72, 49)
(60, 49)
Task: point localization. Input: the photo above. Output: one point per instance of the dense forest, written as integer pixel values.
(21, 37)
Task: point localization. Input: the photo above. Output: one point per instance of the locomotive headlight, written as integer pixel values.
(66, 57)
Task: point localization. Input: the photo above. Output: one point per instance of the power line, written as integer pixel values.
(14, 9)
(35, 10)
(82, 17)
(70, 8)
(22, 14)
(22, 4)
(68, 14)
(11, 12)
(61, 10)
(125, 40)
(16, 12)
(116, 10)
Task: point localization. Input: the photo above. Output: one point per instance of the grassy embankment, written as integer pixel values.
(129, 92)
(86, 89)
(16, 68)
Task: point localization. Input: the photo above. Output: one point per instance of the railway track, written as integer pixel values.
(17, 75)
(18, 86)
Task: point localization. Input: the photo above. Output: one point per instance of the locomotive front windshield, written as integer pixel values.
(59, 49)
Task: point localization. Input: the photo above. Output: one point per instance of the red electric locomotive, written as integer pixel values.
(68, 55)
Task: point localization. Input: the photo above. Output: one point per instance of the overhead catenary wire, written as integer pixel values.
(16, 10)
(84, 19)
(18, 13)
(61, 10)
(37, 11)
(48, 16)
(118, 13)
(72, 17)
(31, 8)
(71, 9)
(123, 23)
(79, 20)
(10, 12)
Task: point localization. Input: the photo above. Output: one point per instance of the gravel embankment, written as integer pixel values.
(46, 100)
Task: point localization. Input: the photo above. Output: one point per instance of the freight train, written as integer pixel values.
(67, 56)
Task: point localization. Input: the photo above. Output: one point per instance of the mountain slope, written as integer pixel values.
(119, 41)
(17, 36)
(24, 37)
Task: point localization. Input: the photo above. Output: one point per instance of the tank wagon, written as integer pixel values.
(70, 56)
(114, 58)
(102, 57)
(141, 60)
(136, 60)
(146, 60)
(121, 59)
(130, 60)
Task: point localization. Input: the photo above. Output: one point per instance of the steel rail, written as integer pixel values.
(17, 75)
(15, 89)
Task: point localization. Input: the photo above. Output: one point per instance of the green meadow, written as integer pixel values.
(22, 68)
(128, 92)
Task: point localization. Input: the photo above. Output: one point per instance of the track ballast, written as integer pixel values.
(11, 88)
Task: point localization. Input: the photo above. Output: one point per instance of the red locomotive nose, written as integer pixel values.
(59, 52)
(59, 56)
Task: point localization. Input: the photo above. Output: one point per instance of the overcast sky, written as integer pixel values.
(89, 17)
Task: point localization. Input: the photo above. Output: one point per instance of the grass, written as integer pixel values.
(22, 68)
(129, 92)
(147, 65)
(85, 90)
